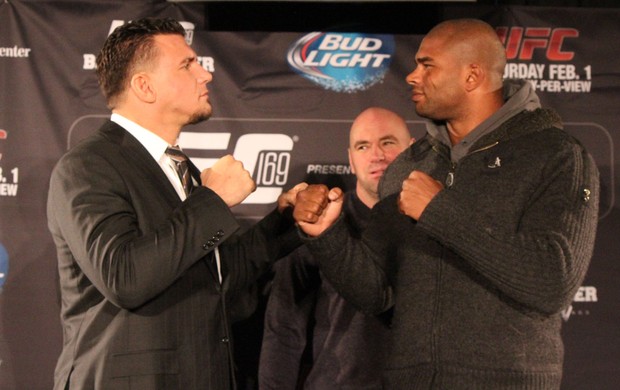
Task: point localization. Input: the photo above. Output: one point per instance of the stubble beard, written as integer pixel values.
(424, 111)
(199, 117)
(431, 112)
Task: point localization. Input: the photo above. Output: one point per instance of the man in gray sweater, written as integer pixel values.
(484, 231)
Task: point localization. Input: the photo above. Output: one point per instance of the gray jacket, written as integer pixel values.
(478, 282)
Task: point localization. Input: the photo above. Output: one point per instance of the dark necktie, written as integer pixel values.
(182, 167)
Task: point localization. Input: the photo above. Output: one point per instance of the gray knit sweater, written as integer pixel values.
(478, 283)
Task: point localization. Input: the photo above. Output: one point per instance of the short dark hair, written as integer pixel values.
(128, 46)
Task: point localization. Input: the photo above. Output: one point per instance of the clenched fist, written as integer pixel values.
(317, 208)
(417, 192)
(229, 180)
(289, 198)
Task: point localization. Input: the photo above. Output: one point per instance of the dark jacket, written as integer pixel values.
(142, 306)
(478, 282)
(306, 314)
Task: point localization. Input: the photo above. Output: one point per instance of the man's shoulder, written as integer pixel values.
(103, 145)
(108, 133)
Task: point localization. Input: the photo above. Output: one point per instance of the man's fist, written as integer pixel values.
(417, 192)
(317, 208)
(289, 198)
(229, 180)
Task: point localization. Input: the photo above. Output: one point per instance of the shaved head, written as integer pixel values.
(472, 41)
(379, 117)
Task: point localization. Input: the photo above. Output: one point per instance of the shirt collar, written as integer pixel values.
(154, 144)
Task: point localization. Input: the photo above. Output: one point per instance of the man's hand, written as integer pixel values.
(418, 190)
(317, 208)
(229, 180)
(288, 198)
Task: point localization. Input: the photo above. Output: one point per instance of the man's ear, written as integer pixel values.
(475, 77)
(142, 87)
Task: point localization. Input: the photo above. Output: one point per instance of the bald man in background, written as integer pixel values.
(305, 315)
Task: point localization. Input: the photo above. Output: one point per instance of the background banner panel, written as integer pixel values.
(283, 104)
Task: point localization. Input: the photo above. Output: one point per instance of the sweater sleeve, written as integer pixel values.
(247, 256)
(359, 268)
(541, 262)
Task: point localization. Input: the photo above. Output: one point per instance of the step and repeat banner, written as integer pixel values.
(283, 103)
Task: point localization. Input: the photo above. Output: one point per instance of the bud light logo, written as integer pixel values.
(4, 265)
(342, 62)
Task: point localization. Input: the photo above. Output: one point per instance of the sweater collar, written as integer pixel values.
(519, 96)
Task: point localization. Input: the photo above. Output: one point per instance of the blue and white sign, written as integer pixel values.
(342, 62)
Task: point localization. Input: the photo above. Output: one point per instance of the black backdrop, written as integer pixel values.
(286, 125)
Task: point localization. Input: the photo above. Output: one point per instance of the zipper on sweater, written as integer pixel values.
(435, 327)
(450, 177)
(449, 181)
(484, 148)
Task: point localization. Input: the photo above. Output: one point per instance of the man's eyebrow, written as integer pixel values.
(360, 142)
(384, 138)
(188, 59)
(423, 59)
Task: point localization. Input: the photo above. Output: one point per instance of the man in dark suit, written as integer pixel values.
(146, 264)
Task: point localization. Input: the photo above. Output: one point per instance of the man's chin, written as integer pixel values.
(199, 117)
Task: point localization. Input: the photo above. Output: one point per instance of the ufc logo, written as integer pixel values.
(521, 42)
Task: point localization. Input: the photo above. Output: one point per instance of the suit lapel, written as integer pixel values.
(133, 151)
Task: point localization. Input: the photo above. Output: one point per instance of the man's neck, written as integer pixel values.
(151, 124)
(368, 199)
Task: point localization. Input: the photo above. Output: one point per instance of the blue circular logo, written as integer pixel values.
(342, 62)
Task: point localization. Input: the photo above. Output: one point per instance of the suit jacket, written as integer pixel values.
(142, 305)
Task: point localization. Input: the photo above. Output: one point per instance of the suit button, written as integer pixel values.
(209, 244)
(224, 340)
(220, 233)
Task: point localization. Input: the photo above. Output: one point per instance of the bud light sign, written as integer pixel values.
(342, 62)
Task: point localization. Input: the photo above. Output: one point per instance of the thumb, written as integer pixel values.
(335, 195)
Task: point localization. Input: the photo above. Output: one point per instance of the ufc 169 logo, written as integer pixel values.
(266, 156)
